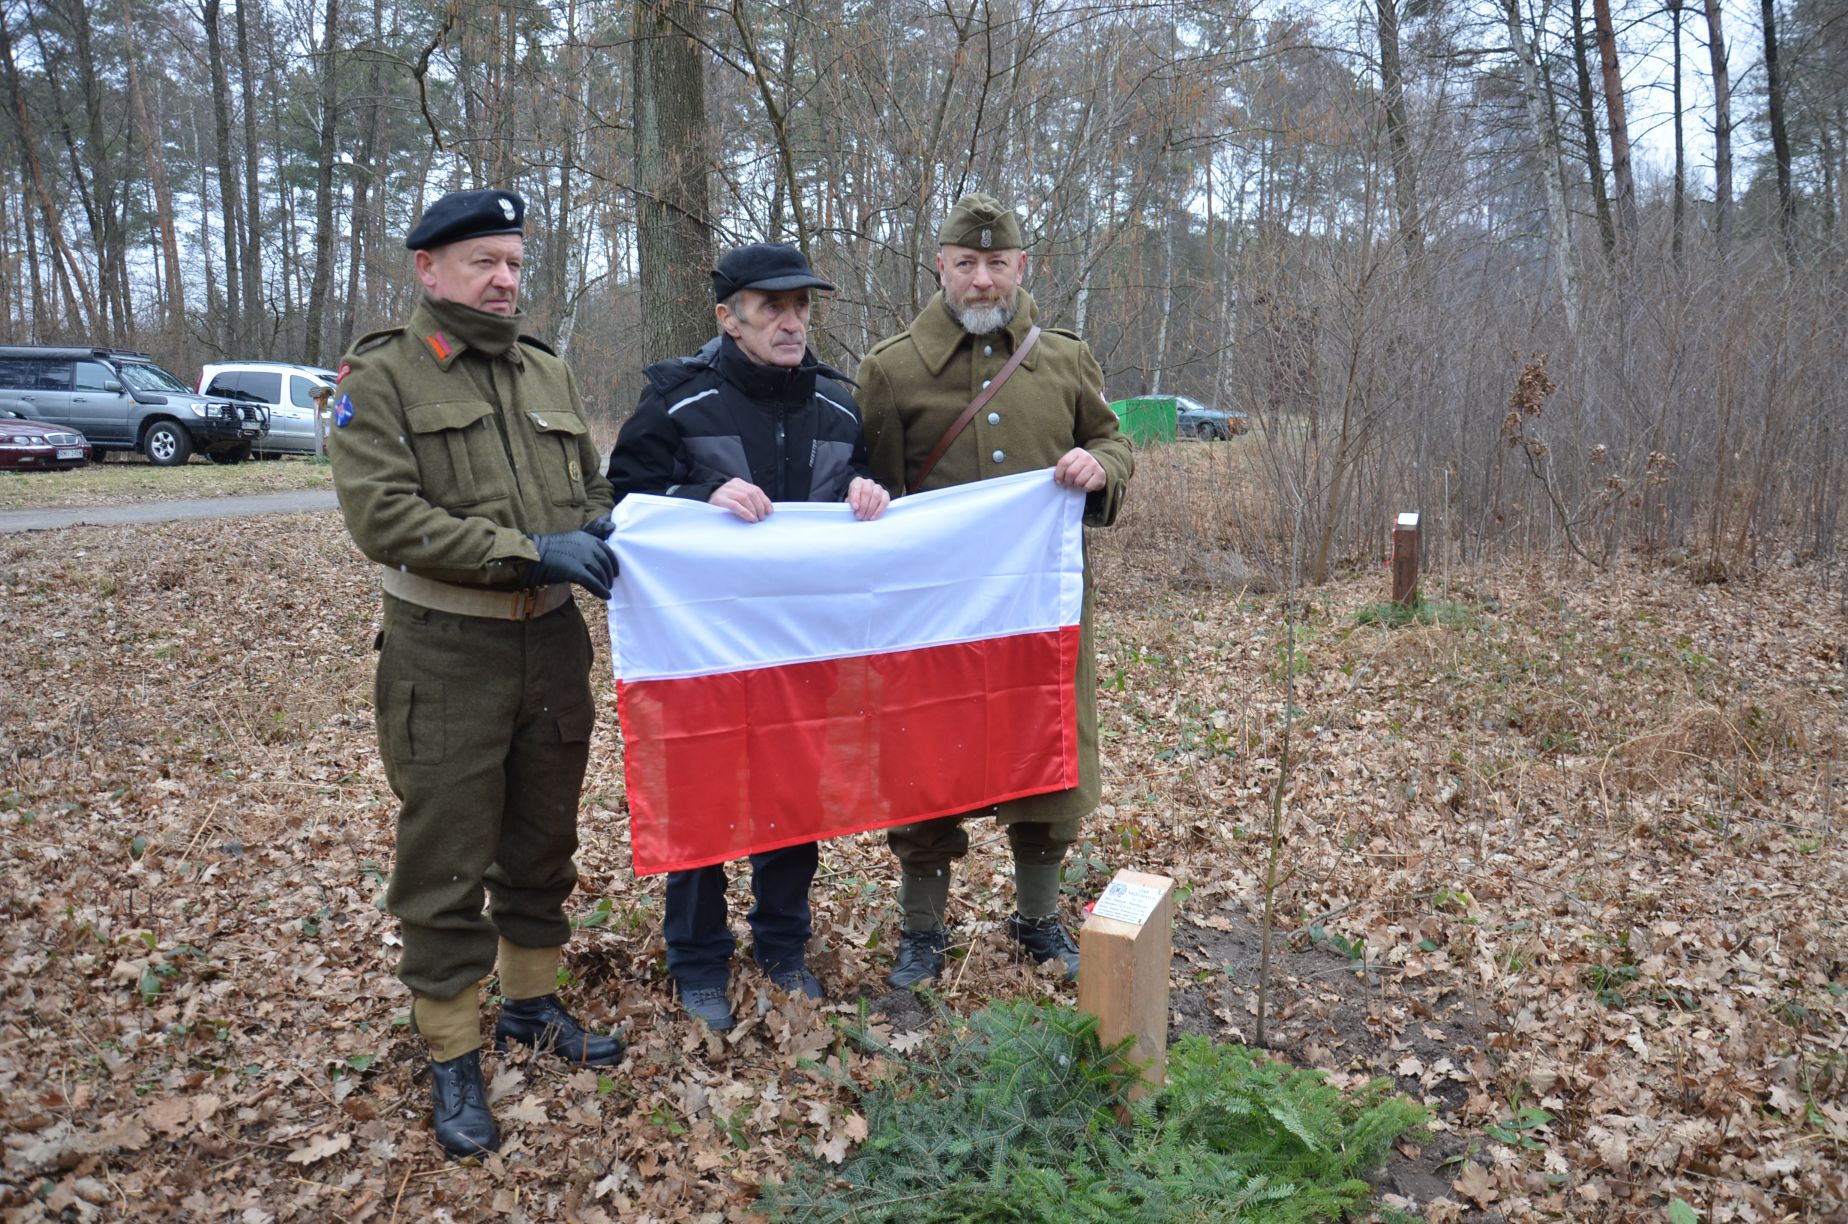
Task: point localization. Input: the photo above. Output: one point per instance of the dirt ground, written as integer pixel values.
(1567, 865)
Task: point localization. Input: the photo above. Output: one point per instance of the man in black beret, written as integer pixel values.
(750, 420)
(465, 468)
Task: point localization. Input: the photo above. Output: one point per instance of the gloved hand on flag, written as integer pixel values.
(572, 556)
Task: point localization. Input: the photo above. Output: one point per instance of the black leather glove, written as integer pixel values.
(572, 556)
(603, 527)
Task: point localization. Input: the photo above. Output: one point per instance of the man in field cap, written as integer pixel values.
(466, 470)
(1038, 403)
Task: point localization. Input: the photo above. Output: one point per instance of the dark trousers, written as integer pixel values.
(699, 938)
(484, 727)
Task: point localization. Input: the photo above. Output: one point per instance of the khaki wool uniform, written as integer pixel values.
(465, 439)
(912, 388)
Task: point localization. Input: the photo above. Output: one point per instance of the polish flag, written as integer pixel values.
(811, 675)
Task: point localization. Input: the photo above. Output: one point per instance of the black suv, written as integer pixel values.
(122, 401)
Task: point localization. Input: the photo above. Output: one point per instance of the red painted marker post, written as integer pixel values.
(1405, 559)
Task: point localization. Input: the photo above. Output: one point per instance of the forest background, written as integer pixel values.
(1414, 240)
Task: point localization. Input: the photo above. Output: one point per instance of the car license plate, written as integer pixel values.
(70, 452)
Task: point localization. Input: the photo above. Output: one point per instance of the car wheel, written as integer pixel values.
(231, 454)
(166, 444)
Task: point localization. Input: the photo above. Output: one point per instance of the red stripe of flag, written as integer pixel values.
(722, 766)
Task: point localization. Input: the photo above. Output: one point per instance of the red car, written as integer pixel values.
(30, 445)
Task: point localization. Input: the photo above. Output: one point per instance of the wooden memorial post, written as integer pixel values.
(320, 396)
(1405, 559)
(1124, 949)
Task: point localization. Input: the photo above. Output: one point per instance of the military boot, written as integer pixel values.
(458, 1098)
(1045, 939)
(459, 1107)
(920, 958)
(545, 1025)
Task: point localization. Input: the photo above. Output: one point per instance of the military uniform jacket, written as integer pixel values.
(460, 444)
(914, 386)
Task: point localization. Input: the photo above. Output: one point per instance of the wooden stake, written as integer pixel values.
(1124, 949)
(1405, 559)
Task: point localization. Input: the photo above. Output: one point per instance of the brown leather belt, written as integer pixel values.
(475, 601)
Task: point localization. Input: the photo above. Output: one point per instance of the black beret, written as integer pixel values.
(767, 266)
(467, 214)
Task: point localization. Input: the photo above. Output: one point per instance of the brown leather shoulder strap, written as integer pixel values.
(975, 405)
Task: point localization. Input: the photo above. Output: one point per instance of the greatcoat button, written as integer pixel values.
(1000, 455)
(994, 418)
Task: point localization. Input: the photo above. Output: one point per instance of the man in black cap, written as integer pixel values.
(750, 420)
(465, 468)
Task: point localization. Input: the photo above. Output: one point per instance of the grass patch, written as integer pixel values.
(1421, 611)
(126, 480)
(1015, 1116)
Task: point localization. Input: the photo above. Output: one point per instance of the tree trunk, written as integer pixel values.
(1722, 125)
(673, 240)
(367, 184)
(173, 296)
(254, 321)
(66, 270)
(1588, 119)
(313, 342)
(231, 336)
(1681, 155)
(1780, 138)
(1404, 173)
(1620, 126)
(1540, 118)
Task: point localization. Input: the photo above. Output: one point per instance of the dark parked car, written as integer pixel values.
(29, 446)
(123, 401)
(1192, 419)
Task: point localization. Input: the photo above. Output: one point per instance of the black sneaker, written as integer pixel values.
(920, 958)
(545, 1025)
(459, 1108)
(1045, 939)
(709, 1003)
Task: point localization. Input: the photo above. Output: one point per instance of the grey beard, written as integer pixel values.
(984, 320)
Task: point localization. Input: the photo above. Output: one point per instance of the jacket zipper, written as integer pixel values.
(782, 459)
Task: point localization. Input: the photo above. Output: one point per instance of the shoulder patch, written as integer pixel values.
(372, 340)
(542, 346)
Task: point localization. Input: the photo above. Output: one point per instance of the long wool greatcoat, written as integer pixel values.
(914, 386)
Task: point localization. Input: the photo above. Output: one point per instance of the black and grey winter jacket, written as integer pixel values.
(702, 420)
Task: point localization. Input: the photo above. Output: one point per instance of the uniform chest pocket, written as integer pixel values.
(460, 455)
(556, 437)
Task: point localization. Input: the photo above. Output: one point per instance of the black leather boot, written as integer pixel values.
(920, 958)
(545, 1025)
(459, 1107)
(1045, 939)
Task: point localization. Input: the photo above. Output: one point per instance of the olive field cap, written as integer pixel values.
(983, 223)
(467, 214)
(767, 266)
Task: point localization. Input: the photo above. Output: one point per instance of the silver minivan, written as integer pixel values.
(286, 391)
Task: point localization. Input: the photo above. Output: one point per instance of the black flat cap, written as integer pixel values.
(768, 266)
(467, 214)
